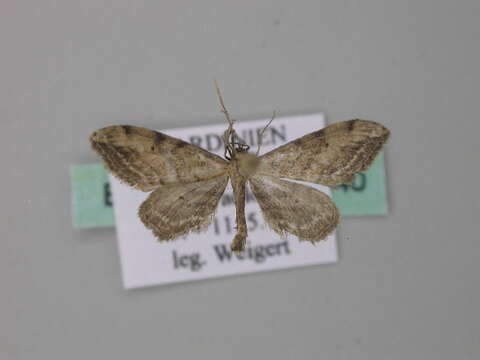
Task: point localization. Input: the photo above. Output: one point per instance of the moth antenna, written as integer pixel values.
(260, 136)
(229, 135)
(222, 104)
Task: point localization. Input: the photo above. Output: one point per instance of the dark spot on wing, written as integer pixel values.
(319, 133)
(351, 124)
(181, 144)
(123, 152)
(298, 141)
(159, 137)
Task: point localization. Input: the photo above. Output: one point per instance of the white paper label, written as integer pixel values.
(146, 262)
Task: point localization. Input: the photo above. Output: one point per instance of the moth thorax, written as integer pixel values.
(247, 163)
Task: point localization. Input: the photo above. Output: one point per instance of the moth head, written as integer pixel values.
(241, 148)
(233, 145)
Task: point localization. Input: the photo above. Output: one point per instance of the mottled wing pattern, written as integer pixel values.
(293, 208)
(331, 156)
(145, 158)
(176, 209)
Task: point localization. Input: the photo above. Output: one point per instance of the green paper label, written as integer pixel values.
(91, 198)
(367, 195)
(92, 201)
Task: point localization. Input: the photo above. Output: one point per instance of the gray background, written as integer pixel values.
(407, 284)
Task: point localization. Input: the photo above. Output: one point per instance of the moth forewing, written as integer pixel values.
(147, 159)
(330, 156)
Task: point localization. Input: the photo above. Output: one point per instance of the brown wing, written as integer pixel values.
(331, 156)
(146, 159)
(293, 208)
(176, 209)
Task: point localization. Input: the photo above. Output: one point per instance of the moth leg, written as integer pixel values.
(240, 239)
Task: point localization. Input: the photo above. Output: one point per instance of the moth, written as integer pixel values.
(186, 182)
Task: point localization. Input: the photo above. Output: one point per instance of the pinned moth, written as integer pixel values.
(187, 182)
